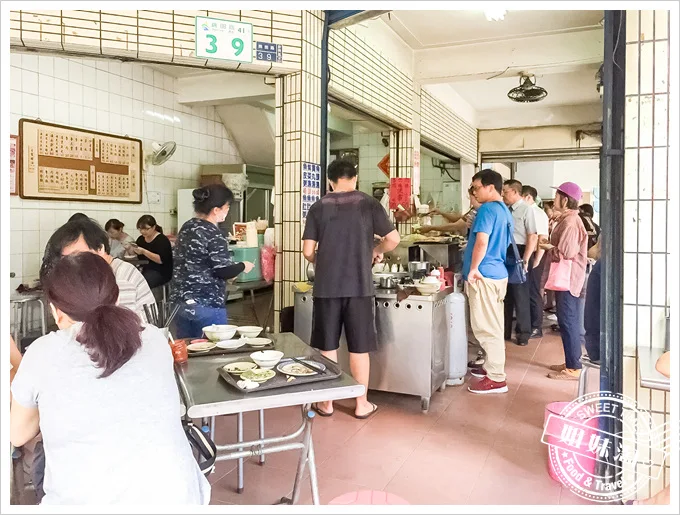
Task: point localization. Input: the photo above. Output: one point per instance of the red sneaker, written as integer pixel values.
(486, 385)
(478, 372)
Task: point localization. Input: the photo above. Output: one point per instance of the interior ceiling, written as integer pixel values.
(361, 122)
(431, 29)
(482, 60)
(563, 89)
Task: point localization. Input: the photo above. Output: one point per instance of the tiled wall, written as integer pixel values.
(118, 98)
(158, 35)
(445, 129)
(646, 232)
(298, 127)
(364, 77)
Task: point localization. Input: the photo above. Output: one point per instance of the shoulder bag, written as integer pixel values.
(201, 443)
(515, 263)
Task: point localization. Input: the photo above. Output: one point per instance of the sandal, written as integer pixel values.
(369, 414)
(321, 412)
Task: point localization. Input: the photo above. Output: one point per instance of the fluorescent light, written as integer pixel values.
(495, 14)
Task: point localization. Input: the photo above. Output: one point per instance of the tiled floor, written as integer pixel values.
(468, 449)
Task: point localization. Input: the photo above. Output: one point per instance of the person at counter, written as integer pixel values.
(202, 264)
(87, 236)
(518, 298)
(107, 366)
(154, 246)
(118, 239)
(458, 224)
(338, 239)
(486, 279)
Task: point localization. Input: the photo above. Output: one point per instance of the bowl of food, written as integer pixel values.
(248, 331)
(266, 359)
(426, 288)
(217, 333)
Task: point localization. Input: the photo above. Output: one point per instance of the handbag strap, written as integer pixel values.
(515, 250)
(205, 446)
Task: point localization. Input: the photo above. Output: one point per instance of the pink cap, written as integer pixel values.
(570, 189)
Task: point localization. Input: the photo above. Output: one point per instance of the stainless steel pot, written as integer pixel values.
(389, 282)
(310, 272)
(418, 269)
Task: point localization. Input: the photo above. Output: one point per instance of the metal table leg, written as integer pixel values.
(261, 417)
(17, 323)
(212, 429)
(306, 456)
(239, 439)
(42, 316)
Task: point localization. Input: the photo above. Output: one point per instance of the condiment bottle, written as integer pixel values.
(179, 350)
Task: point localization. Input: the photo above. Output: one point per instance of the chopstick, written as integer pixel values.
(308, 365)
(172, 315)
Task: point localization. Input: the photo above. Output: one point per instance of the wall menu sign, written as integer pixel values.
(57, 162)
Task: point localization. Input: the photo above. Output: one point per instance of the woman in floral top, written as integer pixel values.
(201, 264)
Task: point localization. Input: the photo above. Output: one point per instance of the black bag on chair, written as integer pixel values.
(201, 442)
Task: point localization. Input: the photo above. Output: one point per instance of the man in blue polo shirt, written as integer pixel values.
(486, 279)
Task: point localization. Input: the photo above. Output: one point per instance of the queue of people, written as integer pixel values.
(554, 245)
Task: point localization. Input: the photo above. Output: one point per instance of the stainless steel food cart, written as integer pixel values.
(413, 342)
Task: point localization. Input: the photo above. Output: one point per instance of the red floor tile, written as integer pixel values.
(468, 449)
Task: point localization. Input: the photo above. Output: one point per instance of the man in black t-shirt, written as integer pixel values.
(338, 239)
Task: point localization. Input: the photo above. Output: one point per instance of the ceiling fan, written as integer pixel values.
(527, 91)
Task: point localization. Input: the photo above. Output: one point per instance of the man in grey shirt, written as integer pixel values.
(518, 297)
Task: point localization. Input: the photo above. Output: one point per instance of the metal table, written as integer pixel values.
(206, 396)
(135, 261)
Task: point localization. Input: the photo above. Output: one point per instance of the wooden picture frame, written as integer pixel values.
(58, 162)
(14, 164)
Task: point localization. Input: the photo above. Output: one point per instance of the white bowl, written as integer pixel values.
(218, 333)
(427, 289)
(429, 280)
(249, 331)
(266, 359)
(231, 344)
(258, 342)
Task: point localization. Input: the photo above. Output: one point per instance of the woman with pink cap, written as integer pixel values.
(569, 247)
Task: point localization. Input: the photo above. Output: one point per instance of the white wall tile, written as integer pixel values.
(46, 109)
(30, 105)
(76, 115)
(46, 84)
(29, 62)
(75, 72)
(102, 100)
(60, 89)
(89, 76)
(75, 93)
(89, 97)
(102, 80)
(29, 82)
(46, 65)
(15, 78)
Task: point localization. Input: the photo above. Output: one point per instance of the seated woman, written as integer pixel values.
(81, 385)
(154, 246)
(118, 239)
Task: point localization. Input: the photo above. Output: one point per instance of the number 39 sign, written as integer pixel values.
(224, 39)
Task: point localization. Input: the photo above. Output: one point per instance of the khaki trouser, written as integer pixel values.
(487, 320)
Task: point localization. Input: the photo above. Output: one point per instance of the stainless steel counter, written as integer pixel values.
(649, 376)
(413, 348)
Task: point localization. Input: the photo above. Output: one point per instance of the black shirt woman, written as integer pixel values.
(154, 246)
(202, 263)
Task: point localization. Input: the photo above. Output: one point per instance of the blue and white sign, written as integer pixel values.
(224, 39)
(311, 187)
(270, 52)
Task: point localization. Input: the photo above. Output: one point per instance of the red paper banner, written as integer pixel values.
(384, 165)
(400, 193)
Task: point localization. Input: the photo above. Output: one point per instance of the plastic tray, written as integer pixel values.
(280, 380)
(241, 350)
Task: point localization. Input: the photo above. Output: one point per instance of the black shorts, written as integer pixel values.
(356, 314)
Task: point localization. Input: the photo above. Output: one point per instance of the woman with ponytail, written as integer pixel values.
(202, 264)
(102, 392)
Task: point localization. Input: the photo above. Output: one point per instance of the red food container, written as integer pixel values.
(179, 351)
